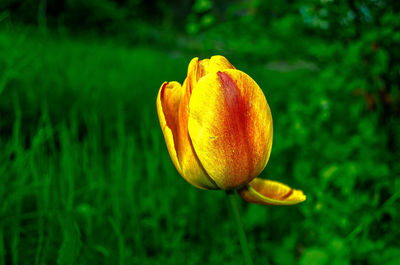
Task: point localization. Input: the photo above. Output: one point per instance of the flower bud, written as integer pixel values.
(218, 131)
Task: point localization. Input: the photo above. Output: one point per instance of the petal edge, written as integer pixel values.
(167, 110)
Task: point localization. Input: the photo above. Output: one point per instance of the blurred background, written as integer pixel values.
(85, 176)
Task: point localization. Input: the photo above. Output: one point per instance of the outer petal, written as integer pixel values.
(230, 125)
(264, 191)
(168, 100)
(172, 108)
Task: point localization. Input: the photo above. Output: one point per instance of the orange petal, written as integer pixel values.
(230, 125)
(270, 192)
(168, 100)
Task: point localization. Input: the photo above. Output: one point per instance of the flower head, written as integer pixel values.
(218, 131)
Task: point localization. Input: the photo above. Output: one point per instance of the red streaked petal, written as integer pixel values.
(230, 125)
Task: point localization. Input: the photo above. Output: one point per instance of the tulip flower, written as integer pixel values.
(218, 131)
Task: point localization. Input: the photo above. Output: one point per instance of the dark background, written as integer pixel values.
(85, 177)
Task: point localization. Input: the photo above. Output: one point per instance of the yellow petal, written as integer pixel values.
(200, 68)
(172, 111)
(230, 125)
(194, 73)
(168, 100)
(192, 170)
(270, 192)
(219, 63)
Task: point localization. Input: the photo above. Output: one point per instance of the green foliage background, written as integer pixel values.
(85, 177)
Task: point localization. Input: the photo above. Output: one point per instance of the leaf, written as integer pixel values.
(71, 245)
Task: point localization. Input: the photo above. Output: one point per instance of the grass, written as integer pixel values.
(86, 177)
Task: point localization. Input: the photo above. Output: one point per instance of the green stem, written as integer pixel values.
(239, 227)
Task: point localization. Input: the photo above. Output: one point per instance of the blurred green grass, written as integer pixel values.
(86, 177)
